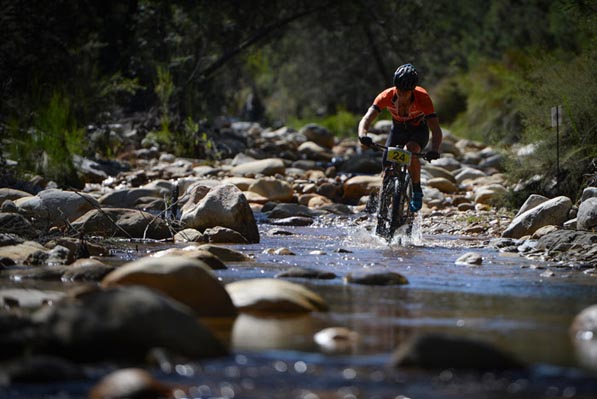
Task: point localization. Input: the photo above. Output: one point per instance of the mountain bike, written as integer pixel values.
(396, 192)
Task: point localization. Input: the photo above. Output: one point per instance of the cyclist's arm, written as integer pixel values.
(436, 133)
(366, 121)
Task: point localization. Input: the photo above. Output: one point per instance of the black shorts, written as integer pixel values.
(402, 133)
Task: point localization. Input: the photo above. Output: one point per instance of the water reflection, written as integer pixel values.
(254, 333)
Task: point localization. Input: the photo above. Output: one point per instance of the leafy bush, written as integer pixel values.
(341, 124)
(572, 83)
(493, 110)
(47, 146)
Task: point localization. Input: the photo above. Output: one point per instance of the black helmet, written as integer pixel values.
(406, 77)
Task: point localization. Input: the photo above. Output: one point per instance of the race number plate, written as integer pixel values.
(399, 156)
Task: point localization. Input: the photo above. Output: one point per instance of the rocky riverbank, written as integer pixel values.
(288, 178)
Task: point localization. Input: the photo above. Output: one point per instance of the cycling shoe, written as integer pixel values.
(416, 203)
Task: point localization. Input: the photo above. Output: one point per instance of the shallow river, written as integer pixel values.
(505, 301)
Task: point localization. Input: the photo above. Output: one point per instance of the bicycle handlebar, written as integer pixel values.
(380, 147)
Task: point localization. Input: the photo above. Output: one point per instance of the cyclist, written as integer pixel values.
(413, 116)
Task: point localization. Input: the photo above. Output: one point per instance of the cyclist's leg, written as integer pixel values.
(417, 141)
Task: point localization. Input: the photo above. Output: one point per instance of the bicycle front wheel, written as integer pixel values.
(402, 197)
(386, 211)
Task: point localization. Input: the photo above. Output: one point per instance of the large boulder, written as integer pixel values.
(57, 207)
(128, 223)
(225, 206)
(189, 281)
(587, 214)
(122, 323)
(269, 295)
(551, 212)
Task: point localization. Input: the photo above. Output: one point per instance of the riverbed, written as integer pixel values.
(521, 306)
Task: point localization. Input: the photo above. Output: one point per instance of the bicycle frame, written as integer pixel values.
(396, 192)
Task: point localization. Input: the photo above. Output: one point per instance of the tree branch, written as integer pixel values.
(206, 73)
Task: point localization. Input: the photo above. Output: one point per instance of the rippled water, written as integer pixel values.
(505, 301)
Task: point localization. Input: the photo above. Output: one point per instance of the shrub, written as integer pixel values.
(46, 145)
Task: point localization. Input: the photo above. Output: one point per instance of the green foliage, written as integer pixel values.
(571, 82)
(341, 124)
(492, 97)
(47, 147)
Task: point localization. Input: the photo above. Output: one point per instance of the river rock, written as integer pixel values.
(589, 192)
(11, 194)
(193, 252)
(123, 323)
(28, 297)
(189, 281)
(361, 163)
(337, 339)
(19, 253)
(358, 186)
(293, 221)
(439, 352)
(130, 383)
(447, 163)
(122, 222)
(442, 184)
(221, 234)
(436, 171)
(225, 206)
(252, 332)
(468, 174)
(223, 253)
(270, 295)
(242, 183)
(88, 269)
(188, 235)
(318, 134)
(553, 211)
(314, 151)
(79, 248)
(283, 210)
(587, 214)
(301, 272)
(126, 198)
(273, 189)
(56, 207)
(532, 201)
(584, 325)
(470, 259)
(376, 278)
(265, 167)
(13, 223)
(487, 194)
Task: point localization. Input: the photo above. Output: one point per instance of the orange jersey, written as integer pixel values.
(421, 107)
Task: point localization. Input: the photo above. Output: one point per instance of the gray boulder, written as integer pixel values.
(225, 206)
(551, 212)
(587, 214)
